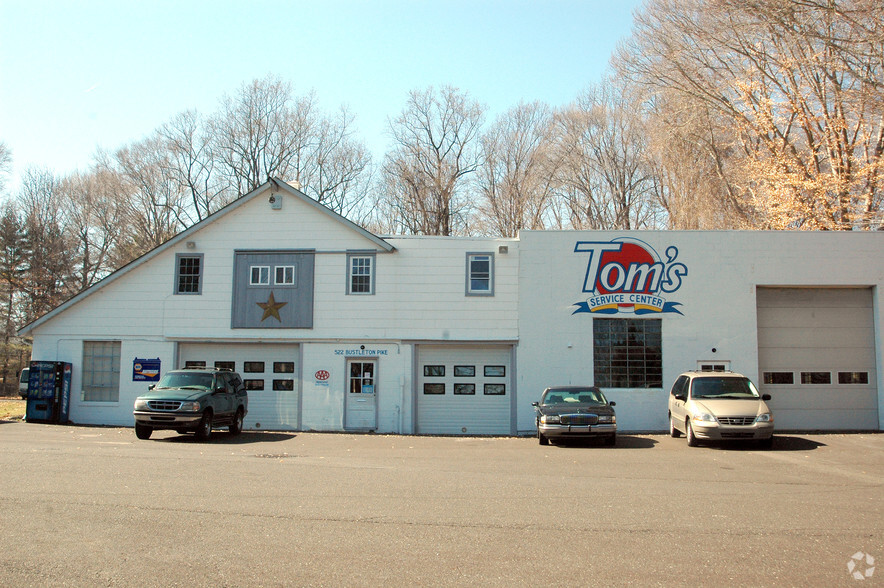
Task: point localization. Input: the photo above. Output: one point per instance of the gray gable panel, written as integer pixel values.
(272, 290)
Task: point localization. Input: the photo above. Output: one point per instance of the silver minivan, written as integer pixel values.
(719, 406)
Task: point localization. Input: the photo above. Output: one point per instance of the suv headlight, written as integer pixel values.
(190, 406)
(140, 404)
(550, 419)
(704, 417)
(764, 418)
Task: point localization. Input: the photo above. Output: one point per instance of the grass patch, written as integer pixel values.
(12, 409)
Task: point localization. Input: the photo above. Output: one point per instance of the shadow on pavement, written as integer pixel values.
(225, 438)
(780, 443)
(623, 442)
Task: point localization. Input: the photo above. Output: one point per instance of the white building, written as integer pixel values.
(334, 328)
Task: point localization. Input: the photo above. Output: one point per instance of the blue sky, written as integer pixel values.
(80, 75)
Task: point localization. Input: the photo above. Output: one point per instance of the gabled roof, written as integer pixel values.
(274, 185)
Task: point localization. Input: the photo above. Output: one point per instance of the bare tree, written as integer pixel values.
(191, 163)
(516, 178)
(798, 84)
(5, 164)
(263, 131)
(436, 148)
(605, 180)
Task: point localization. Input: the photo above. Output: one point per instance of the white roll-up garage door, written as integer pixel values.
(269, 371)
(816, 355)
(464, 390)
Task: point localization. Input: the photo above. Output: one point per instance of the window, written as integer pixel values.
(283, 367)
(101, 371)
(434, 371)
(480, 274)
(226, 365)
(259, 275)
(195, 364)
(188, 274)
(853, 377)
(779, 378)
(434, 388)
(495, 389)
(253, 367)
(495, 371)
(283, 385)
(360, 278)
(285, 275)
(816, 378)
(468, 389)
(464, 371)
(254, 384)
(627, 353)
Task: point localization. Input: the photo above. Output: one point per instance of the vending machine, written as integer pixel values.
(49, 392)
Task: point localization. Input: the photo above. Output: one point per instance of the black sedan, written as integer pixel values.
(571, 412)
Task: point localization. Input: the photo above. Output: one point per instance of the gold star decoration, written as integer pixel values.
(271, 308)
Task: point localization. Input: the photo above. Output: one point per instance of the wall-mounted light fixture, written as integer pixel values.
(503, 249)
(191, 245)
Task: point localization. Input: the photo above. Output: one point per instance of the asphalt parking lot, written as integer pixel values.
(86, 506)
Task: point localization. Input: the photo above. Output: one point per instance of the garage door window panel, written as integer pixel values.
(253, 384)
(283, 367)
(465, 389)
(779, 378)
(434, 388)
(853, 377)
(816, 378)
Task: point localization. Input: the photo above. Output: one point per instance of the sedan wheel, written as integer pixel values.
(673, 432)
(689, 433)
(541, 438)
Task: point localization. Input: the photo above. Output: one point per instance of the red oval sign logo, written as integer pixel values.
(322, 375)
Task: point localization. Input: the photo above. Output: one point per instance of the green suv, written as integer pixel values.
(193, 400)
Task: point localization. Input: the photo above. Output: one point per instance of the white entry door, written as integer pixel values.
(361, 398)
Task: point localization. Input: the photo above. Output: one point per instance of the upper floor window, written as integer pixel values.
(188, 274)
(360, 274)
(259, 275)
(480, 274)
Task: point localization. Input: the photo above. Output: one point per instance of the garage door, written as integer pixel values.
(816, 354)
(270, 373)
(464, 390)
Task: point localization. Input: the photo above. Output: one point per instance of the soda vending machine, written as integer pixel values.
(49, 392)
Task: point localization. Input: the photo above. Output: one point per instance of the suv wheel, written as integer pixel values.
(689, 433)
(673, 432)
(143, 431)
(204, 430)
(236, 426)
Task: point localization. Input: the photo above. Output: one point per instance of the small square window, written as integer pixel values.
(285, 275)
(434, 371)
(259, 275)
(434, 388)
(464, 371)
(465, 389)
(853, 377)
(283, 367)
(816, 378)
(495, 389)
(779, 378)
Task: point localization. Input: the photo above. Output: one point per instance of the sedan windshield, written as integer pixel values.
(184, 380)
(574, 397)
(714, 387)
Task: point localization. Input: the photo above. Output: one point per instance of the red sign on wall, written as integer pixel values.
(322, 375)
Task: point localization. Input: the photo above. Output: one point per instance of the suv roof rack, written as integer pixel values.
(205, 368)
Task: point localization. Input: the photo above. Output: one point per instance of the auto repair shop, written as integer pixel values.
(334, 328)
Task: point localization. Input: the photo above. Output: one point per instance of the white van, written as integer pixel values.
(23, 383)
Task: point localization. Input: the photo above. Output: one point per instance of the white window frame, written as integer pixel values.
(284, 281)
(471, 275)
(352, 259)
(263, 275)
